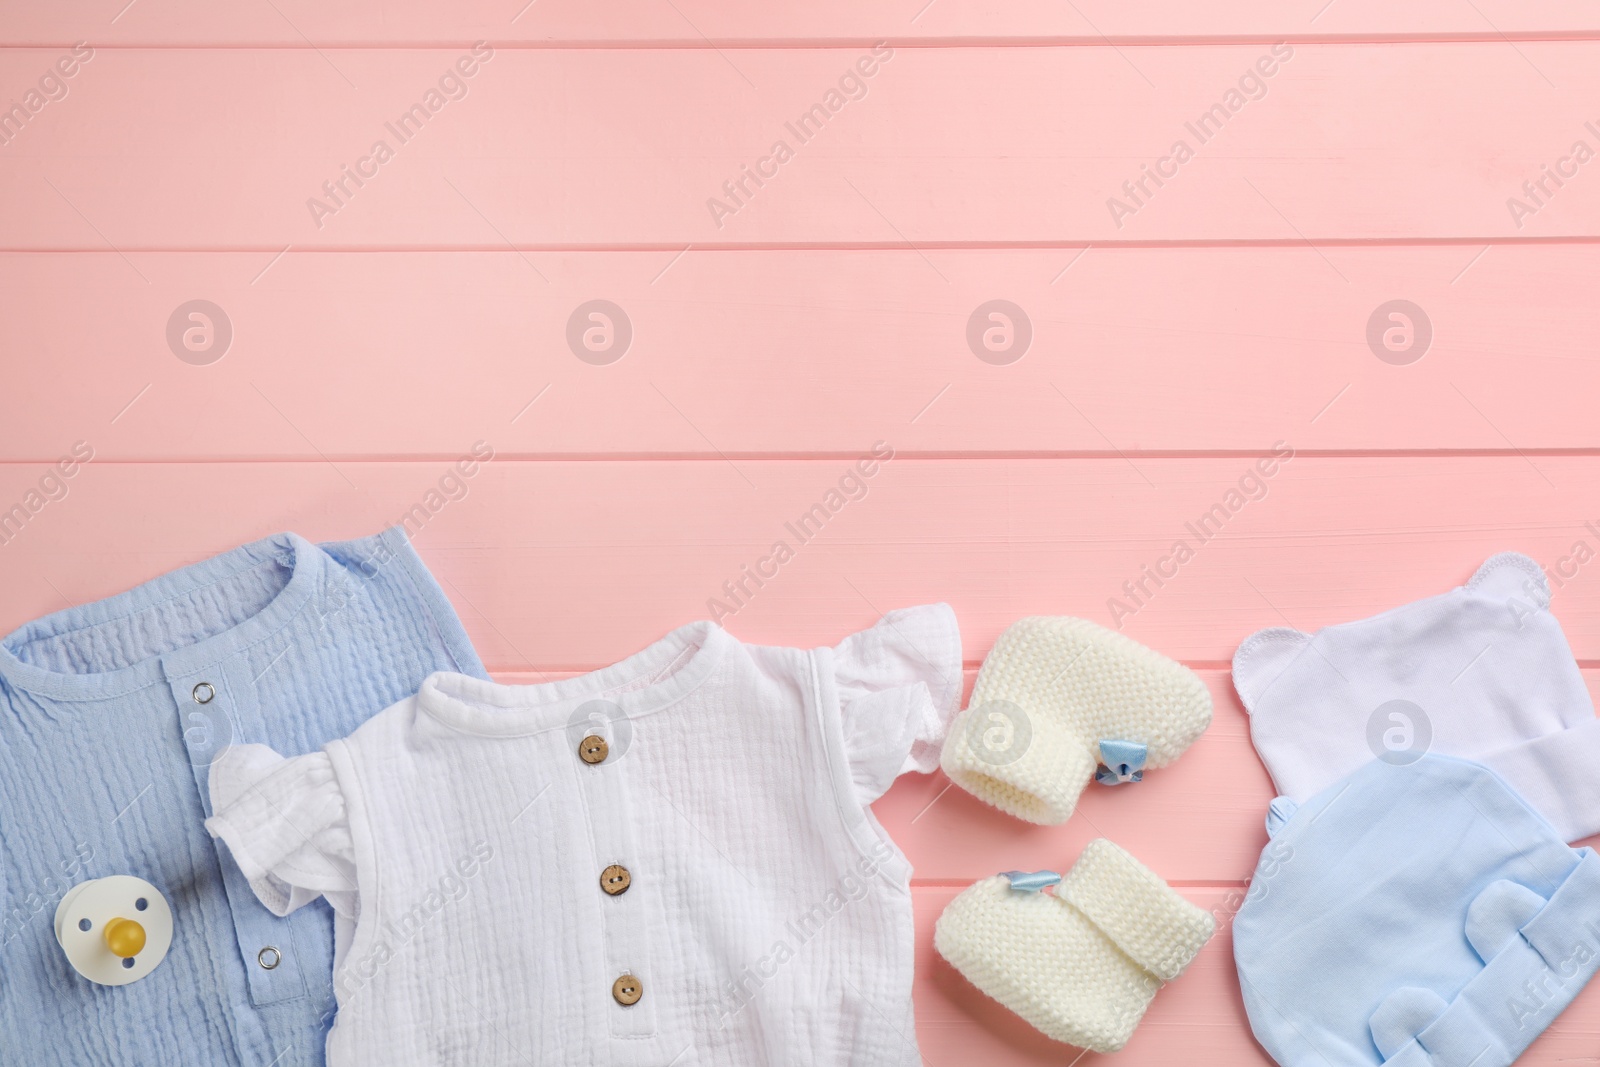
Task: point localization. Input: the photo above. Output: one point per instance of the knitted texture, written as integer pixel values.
(1049, 692)
(1083, 965)
(1150, 923)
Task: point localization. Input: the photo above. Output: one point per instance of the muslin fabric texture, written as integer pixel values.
(1082, 965)
(110, 716)
(1048, 693)
(461, 836)
(1483, 672)
(1417, 915)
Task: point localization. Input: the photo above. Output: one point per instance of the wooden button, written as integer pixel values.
(593, 749)
(615, 879)
(627, 990)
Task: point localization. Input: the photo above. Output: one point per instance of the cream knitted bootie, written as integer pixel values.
(1082, 965)
(1057, 696)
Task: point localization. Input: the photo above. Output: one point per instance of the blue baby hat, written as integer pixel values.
(1420, 916)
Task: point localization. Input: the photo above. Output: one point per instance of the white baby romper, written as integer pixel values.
(668, 861)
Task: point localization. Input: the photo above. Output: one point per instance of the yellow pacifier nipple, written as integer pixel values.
(124, 938)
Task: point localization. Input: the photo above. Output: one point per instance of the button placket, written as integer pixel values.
(216, 707)
(624, 898)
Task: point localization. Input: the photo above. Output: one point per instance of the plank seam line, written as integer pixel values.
(966, 456)
(797, 44)
(922, 245)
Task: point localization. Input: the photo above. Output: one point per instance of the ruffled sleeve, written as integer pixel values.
(285, 823)
(899, 684)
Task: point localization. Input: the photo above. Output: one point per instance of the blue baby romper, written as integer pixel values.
(110, 716)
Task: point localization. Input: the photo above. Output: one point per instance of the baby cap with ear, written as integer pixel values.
(1419, 916)
(1056, 697)
(1482, 672)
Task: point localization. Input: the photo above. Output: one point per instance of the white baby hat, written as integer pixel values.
(1081, 965)
(1482, 672)
(1055, 697)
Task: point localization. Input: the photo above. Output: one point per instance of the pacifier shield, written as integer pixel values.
(114, 930)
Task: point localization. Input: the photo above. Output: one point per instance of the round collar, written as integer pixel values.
(308, 567)
(475, 706)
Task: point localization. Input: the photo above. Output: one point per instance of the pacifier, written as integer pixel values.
(114, 930)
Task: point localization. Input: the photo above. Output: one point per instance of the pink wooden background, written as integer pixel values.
(1227, 315)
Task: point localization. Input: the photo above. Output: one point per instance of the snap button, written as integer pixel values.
(615, 879)
(269, 958)
(593, 749)
(203, 693)
(627, 990)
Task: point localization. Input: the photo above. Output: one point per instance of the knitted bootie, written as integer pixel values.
(1082, 965)
(1057, 696)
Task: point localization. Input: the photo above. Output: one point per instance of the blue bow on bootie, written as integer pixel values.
(1031, 882)
(1123, 762)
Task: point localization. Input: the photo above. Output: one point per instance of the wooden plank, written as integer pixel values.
(768, 353)
(206, 148)
(693, 23)
(570, 566)
(573, 565)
